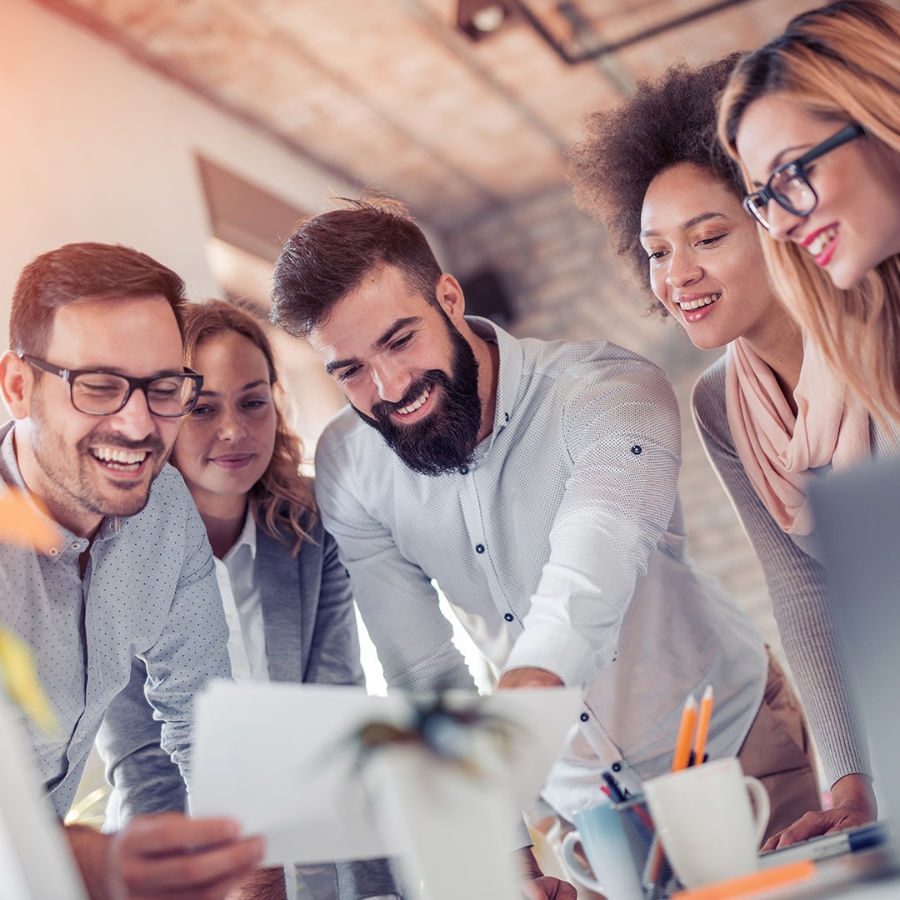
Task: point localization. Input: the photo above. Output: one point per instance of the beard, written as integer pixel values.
(446, 439)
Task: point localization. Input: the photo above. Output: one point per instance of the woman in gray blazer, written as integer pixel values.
(286, 595)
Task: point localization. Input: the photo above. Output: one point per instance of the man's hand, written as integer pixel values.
(548, 888)
(263, 884)
(853, 803)
(537, 885)
(528, 678)
(165, 855)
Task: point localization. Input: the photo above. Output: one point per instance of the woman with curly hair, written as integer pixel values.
(814, 117)
(770, 414)
(286, 595)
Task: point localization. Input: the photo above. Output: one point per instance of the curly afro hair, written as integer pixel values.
(666, 121)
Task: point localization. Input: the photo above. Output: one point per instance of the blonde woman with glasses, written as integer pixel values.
(814, 119)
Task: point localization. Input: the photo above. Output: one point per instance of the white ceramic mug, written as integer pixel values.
(603, 839)
(705, 821)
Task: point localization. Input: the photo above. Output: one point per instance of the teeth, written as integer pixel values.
(822, 240)
(119, 456)
(696, 304)
(415, 404)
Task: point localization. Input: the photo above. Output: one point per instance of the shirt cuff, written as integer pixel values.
(558, 648)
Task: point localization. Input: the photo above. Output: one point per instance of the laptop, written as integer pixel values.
(858, 516)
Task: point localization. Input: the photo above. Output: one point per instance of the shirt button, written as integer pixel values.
(479, 548)
(76, 546)
(616, 767)
(508, 616)
(584, 717)
(463, 470)
(53, 551)
(506, 416)
(636, 449)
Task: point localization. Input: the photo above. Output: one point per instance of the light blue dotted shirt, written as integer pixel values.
(149, 590)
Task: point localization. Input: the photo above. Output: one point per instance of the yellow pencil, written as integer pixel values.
(685, 734)
(706, 706)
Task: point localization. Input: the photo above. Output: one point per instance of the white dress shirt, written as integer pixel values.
(562, 547)
(242, 602)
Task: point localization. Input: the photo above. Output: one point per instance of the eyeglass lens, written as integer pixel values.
(791, 191)
(789, 186)
(101, 393)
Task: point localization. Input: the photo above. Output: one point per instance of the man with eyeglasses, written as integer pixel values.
(96, 387)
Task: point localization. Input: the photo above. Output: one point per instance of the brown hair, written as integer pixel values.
(330, 254)
(75, 271)
(666, 121)
(840, 63)
(282, 501)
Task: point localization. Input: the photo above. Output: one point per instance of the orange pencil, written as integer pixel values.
(706, 706)
(679, 761)
(685, 735)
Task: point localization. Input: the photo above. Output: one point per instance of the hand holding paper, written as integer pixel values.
(277, 757)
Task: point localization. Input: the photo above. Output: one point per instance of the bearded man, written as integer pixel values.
(536, 483)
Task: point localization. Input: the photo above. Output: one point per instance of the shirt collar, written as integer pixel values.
(509, 375)
(247, 538)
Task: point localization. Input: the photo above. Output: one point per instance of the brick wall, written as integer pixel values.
(563, 281)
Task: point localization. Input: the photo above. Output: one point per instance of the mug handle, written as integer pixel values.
(761, 805)
(576, 870)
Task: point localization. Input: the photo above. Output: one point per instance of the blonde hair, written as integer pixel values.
(282, 501)
(839, 63)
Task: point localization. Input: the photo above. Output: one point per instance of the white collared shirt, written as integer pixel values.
(242, 602)
(560, 546)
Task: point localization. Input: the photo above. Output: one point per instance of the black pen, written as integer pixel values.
(615, 792)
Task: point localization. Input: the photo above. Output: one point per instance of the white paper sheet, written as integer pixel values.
(277, 758)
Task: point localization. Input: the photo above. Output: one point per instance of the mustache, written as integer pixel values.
(384, 408)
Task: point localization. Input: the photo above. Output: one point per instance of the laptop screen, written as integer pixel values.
(858, 516)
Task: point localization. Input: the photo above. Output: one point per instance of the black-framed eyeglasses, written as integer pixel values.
(789, 185)
(105, 393)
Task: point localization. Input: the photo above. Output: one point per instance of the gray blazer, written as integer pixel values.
(311, 636)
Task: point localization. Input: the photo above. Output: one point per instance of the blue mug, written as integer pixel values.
(601, 832)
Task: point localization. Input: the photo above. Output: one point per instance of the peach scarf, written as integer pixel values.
(778, 448)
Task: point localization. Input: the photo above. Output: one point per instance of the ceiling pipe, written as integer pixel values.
(581, 27)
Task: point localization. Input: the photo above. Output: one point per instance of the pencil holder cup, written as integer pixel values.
(706, 822)
(620, 845)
